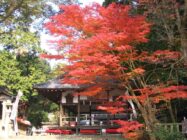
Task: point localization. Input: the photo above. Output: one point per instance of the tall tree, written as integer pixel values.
(20, 65)
(101, 47)
(21, 72)
(17, 40)
(169, 18)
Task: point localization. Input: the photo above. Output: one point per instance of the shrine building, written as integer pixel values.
(79, 113)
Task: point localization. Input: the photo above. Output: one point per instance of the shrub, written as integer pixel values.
(163, 134)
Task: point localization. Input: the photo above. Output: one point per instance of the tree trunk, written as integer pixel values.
(171, 112)
(184, 46)
(149, 117)
(182, 25)
(150, 126)
(135, 114)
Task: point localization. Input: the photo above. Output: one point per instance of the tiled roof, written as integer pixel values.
(4, 90)
(56, 83)
(4, 95)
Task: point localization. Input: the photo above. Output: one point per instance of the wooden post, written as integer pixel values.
(62, 110)
(60, 116)
(108, 95)
(69, 116)
(90, 111)
(108, 99)
(184, 126)
(78, 115)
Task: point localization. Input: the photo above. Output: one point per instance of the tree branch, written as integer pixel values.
(9, 13)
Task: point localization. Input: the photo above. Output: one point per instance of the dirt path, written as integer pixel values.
(66, 137)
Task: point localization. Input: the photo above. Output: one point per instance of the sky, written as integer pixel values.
(87, 2)
(44, 37)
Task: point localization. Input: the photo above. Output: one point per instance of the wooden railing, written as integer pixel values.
(171, 127)
(74, 118)
(85, 120)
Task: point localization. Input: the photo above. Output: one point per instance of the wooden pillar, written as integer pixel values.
(78, 115)
(69, 116)
(90, 111)
(62, 110)
(108, 117)
(108, 95)
(60, 116)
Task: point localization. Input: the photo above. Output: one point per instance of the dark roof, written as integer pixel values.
(56, 83)
(54, 88)
(4, 95)
(4, 90)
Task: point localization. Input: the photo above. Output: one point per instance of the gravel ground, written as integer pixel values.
(66, 137)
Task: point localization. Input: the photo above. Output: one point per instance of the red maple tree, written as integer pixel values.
(100, 45)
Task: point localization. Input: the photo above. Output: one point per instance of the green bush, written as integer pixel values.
(37, 117)
(162, 134)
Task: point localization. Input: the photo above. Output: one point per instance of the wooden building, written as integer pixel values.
(77, 112)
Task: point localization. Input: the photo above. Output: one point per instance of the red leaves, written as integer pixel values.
(113, 107)
(128, 125)
(172, 88)
(92, 91)
(171, 92)
(124, 48)
(129, 128)
(138, 71)
(92, 35)
(160, 56)
(160, 93)
(99, 41)
(112, 110)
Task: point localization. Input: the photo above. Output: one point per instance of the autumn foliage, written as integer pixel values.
(96, 41)
(100, 46)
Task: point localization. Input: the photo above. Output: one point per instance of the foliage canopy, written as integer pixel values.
(101, 46)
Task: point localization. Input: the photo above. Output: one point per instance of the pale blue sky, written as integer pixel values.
(87, 2)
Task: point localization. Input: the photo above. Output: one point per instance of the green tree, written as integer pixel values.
(38, 110)
(9, 73)
(20, 66)
(107, 2)
(22, 71)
